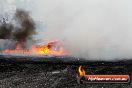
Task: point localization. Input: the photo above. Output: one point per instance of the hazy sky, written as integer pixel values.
(89, 28)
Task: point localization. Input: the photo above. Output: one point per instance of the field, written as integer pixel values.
(47, 75)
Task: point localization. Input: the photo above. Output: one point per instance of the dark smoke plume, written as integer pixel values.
(20, 33)
(27, 28)
(5, 30)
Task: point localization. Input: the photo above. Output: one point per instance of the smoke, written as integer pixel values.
(27, 27)
(5, 30)
(21, 31)
(93, 29)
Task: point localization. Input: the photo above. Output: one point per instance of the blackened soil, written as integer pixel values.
(22, 75)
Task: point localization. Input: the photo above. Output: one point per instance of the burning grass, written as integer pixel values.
(51, 48)
(23, 31)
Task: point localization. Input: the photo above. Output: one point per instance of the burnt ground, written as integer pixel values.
(29, 75)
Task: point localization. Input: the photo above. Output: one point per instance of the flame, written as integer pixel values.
(51, 48)
(81, 71)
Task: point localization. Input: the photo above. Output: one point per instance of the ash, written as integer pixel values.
(21, 75)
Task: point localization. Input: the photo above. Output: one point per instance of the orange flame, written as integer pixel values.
(81, 71)
(52, 48)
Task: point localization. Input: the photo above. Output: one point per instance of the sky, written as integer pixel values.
(93, 29)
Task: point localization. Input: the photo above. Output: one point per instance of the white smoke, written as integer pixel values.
(94, 29)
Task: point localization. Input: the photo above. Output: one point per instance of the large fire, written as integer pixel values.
(51, 48)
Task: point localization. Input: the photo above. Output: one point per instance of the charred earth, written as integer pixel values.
(38, 74)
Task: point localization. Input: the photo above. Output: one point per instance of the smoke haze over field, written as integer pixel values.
(89, 28)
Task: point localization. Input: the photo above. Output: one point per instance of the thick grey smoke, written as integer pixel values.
(27, 27)
(21, 31)
(94, 29)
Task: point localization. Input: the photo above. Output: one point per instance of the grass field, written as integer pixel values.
(41, 75)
